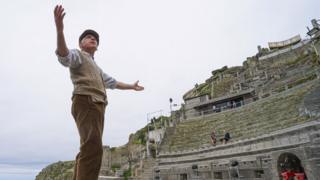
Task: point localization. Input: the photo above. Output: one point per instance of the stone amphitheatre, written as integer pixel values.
(270, 106)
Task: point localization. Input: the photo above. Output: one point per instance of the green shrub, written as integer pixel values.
(114, 167)
(127, 173)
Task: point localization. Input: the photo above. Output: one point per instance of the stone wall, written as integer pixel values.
(285, 124)
(261, 117)
(121, 157)
(267, 75)
(256, 157)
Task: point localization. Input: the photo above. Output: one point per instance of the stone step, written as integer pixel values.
(261, 118)
(315, 160)
(147, 172)
(315, 154)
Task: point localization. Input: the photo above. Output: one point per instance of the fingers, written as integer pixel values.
(63, 15)
(138, 87)
(55, 10)
(59, 12)
(58, 17)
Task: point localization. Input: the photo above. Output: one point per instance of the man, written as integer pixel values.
(89, 96)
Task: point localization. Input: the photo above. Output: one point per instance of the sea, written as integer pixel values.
(20, 171)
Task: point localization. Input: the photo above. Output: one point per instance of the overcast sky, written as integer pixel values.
(169, 45)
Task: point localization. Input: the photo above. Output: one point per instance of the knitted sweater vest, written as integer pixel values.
(87, 79)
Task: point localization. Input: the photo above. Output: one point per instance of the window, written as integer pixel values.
(217, 175)
(258, 173)
(183, 176)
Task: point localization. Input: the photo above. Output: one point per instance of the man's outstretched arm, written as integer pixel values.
(59, 14)
(112, 83)
(134, 86)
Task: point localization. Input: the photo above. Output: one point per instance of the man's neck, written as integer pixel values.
(89, 52)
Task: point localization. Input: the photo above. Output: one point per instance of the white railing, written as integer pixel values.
(282, 51)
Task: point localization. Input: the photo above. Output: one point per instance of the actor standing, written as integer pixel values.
(89, 96)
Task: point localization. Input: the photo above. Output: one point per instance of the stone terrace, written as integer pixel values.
(262, 117)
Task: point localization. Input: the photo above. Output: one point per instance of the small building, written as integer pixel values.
(203, 105)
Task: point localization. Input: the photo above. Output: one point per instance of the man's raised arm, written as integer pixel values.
(59, 14)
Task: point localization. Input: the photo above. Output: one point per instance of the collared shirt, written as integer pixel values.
(73, 60)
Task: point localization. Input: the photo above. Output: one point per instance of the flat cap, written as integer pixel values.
(91, 32)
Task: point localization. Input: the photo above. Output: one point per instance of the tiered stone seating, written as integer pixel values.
(259, 118)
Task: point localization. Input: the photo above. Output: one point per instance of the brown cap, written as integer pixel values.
(91, 32)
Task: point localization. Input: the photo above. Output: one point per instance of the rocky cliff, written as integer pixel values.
(57, 171)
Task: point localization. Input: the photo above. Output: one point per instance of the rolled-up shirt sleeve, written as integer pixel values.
(109, 81)
(72, 60)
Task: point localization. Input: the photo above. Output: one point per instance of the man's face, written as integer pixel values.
(89, 42)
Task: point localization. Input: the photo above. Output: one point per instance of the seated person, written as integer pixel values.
(226, 137)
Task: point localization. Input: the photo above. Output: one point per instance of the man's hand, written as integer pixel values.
(58, 17)
(137, 87)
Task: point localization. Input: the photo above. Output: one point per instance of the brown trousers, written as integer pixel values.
(89, 117)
